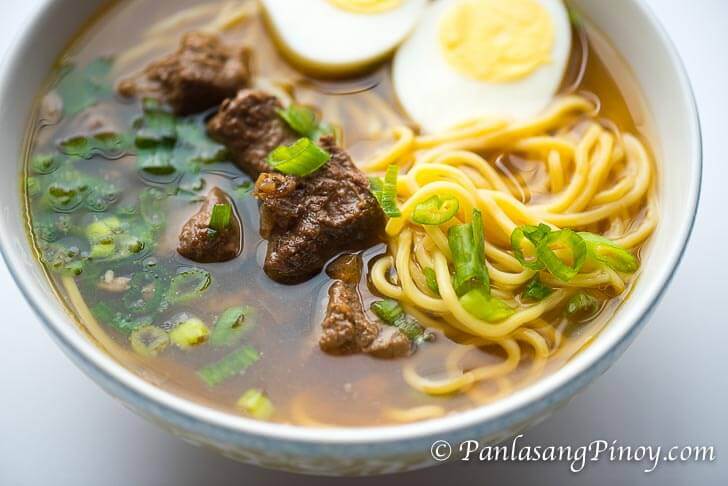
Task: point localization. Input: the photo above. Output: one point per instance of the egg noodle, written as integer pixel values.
(598, 179)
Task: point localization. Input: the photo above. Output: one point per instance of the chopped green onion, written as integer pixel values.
(431, 280)
(255, 403)
(467, 245)
(301, 119)
(302, 158)
(388, 198)
(388, 310)
(436, 210)
(534, 234)
(189, 333)
(189, 284)
(111, 239)
(103, 229)
(553, 263)
(67, 261)
(536, 290)
(149, 341)
(233, 364)
(392, 314)
(231, 325)
(221, 217)
(479, 303)
(581, 306)
(376, 187)
(610, 253)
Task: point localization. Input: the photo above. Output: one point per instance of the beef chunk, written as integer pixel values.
(309, 220)
(250, 127)
(200, 243)
(346, 328)
(200, 75)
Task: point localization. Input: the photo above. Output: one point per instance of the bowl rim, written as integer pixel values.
(529, 401)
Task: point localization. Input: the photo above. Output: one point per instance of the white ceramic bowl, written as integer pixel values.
(634, 32)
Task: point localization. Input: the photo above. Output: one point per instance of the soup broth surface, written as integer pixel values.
(305, 385)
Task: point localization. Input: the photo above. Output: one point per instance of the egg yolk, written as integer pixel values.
(497, 41)
(366, 6)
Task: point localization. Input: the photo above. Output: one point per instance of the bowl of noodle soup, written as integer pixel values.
(619, 157)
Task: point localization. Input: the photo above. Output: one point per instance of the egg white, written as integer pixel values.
(322, 37)
(437, 97)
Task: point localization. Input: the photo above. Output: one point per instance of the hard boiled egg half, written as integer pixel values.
(340, 36)
(471, 59)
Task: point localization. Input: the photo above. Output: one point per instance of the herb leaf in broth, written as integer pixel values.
(156, 127)
(80, 88)
(194, 146)
(166, 144)
(109, 145)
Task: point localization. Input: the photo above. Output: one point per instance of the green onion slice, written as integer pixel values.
(565, 238)
(582, 306)
(301, 119)
(221, 216)
(392, 314)
(302, 158)
(149, 341)
(388, 195)
(189, 333)
(479, 303)
(232, 325)
(233, 364)
(534, 234)
(536, 290)
(255, 403)
(467, 245)
(431, 279)
(609, 253)
(436, 210)
(189, 284)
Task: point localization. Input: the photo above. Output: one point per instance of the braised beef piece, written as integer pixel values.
(202, 244)
(250, 127)
(307, 220)
(200, 75)
(346, 328)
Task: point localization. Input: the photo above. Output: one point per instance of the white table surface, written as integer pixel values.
(670, 388)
